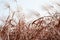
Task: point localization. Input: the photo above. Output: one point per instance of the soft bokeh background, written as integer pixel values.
(25, 4)
(28, 6)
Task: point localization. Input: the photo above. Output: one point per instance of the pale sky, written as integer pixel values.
(27, 5)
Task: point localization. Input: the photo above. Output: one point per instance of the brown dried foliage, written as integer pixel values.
(44, 28)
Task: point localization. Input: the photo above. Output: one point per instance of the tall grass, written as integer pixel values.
(44, 28)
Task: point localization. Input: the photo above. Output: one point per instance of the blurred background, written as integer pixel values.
(31, 9)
